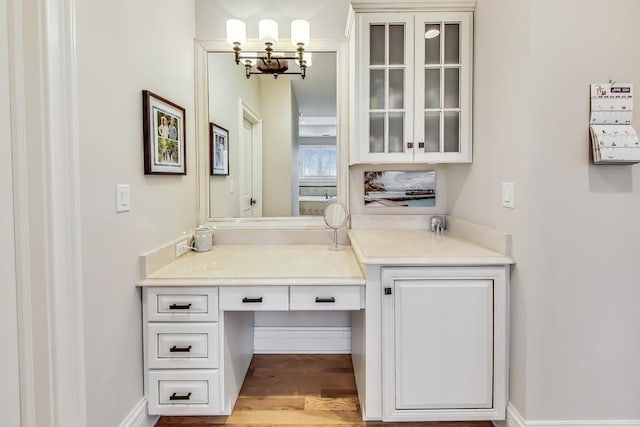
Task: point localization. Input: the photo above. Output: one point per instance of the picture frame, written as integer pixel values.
(218, 150)
(164, 139)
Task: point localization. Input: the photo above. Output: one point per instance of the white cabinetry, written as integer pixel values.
(198, 341)
(181, 352)
(413, 96)
(444, 343)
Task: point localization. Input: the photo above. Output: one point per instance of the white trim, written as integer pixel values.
(46, 189)
(413, 5)
(21, 210)
(62, 207)
(139, 417)
(515, 419)
(302, 340)
(350, 24)
(202, 47)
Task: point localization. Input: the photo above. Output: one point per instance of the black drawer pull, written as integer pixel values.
(331, 299)
(176, 396)
(180, 306)
(176, 349)
(246, 300)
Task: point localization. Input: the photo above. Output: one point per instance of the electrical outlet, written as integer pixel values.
(182, 247)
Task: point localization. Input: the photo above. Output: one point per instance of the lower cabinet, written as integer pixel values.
(198, 341)
(444, 343)
(182, 350)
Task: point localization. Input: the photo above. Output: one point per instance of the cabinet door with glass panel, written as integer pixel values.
(414, 97)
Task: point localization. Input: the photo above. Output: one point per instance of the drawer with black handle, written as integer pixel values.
(326, 297)
(182, 345)
(254, 298)
(178, 304)
(184, 392)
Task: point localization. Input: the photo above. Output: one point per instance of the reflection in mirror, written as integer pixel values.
(282, 139)
(335, 216)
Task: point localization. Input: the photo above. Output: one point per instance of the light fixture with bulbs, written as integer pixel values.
(270, 62)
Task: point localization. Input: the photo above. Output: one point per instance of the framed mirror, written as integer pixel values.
(287, 144)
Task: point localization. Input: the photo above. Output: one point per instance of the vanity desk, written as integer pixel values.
(198, 316)
(428, 331)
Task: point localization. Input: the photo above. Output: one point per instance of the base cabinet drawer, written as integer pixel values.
(254, 298)
(325, 297)
(182, 345)
(184, 392)
(178, 304)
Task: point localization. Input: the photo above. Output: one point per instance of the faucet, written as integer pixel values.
(326, 195)
(437, 223)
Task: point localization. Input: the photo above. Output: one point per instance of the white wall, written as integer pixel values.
(227, 85)
(575, 293)
(123, 48)
(277, 146)
(9, 392)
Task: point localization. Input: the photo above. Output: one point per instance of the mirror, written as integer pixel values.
(335, 216)
(282, 139)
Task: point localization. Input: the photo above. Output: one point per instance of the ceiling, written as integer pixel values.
(316, 94)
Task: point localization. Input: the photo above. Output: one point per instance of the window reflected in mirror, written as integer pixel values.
(282, 139)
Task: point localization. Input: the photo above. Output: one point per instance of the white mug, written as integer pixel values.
(203, 239)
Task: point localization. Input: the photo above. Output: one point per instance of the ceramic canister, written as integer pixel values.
(203, 239)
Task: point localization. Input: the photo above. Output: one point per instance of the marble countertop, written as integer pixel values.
(261, 265)
(420, 247)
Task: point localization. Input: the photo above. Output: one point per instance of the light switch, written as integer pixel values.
(123, 198)
(508, 195)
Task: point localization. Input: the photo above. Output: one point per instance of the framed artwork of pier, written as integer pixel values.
(400, 188)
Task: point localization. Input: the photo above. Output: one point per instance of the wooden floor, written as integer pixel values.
(298, 390)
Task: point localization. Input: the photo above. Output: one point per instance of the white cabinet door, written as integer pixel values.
(443, 343)
(385, 85)
(442, 108)
(444, 349)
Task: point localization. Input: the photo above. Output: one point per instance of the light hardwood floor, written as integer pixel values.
(298, 390)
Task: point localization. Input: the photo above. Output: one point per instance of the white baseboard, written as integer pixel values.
(138, 417)
(302, 340)
(515, 419)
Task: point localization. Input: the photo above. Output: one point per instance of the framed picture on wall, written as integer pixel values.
(163, 136)
(218, 150)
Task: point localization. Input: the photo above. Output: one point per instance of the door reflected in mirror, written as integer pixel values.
(282, 139)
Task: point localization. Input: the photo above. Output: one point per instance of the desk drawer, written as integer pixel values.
(325, 297)
(182, 345)
(177, 304)
(254, 298)
(192, 392)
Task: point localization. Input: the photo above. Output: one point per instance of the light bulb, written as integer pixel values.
(236, 32)
(300, 33)
(268, 31)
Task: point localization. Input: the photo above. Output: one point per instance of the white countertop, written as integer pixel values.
(261, 265)
(420, 247)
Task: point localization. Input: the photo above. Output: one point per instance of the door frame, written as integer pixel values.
(47, 217)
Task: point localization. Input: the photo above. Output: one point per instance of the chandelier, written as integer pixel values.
(270, 62)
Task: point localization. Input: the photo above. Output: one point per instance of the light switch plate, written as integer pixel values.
(508, 195)
(123, 198)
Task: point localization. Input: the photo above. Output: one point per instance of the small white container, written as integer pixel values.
(203, 239)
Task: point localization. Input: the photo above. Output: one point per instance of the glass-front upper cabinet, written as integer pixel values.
(413, 97)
